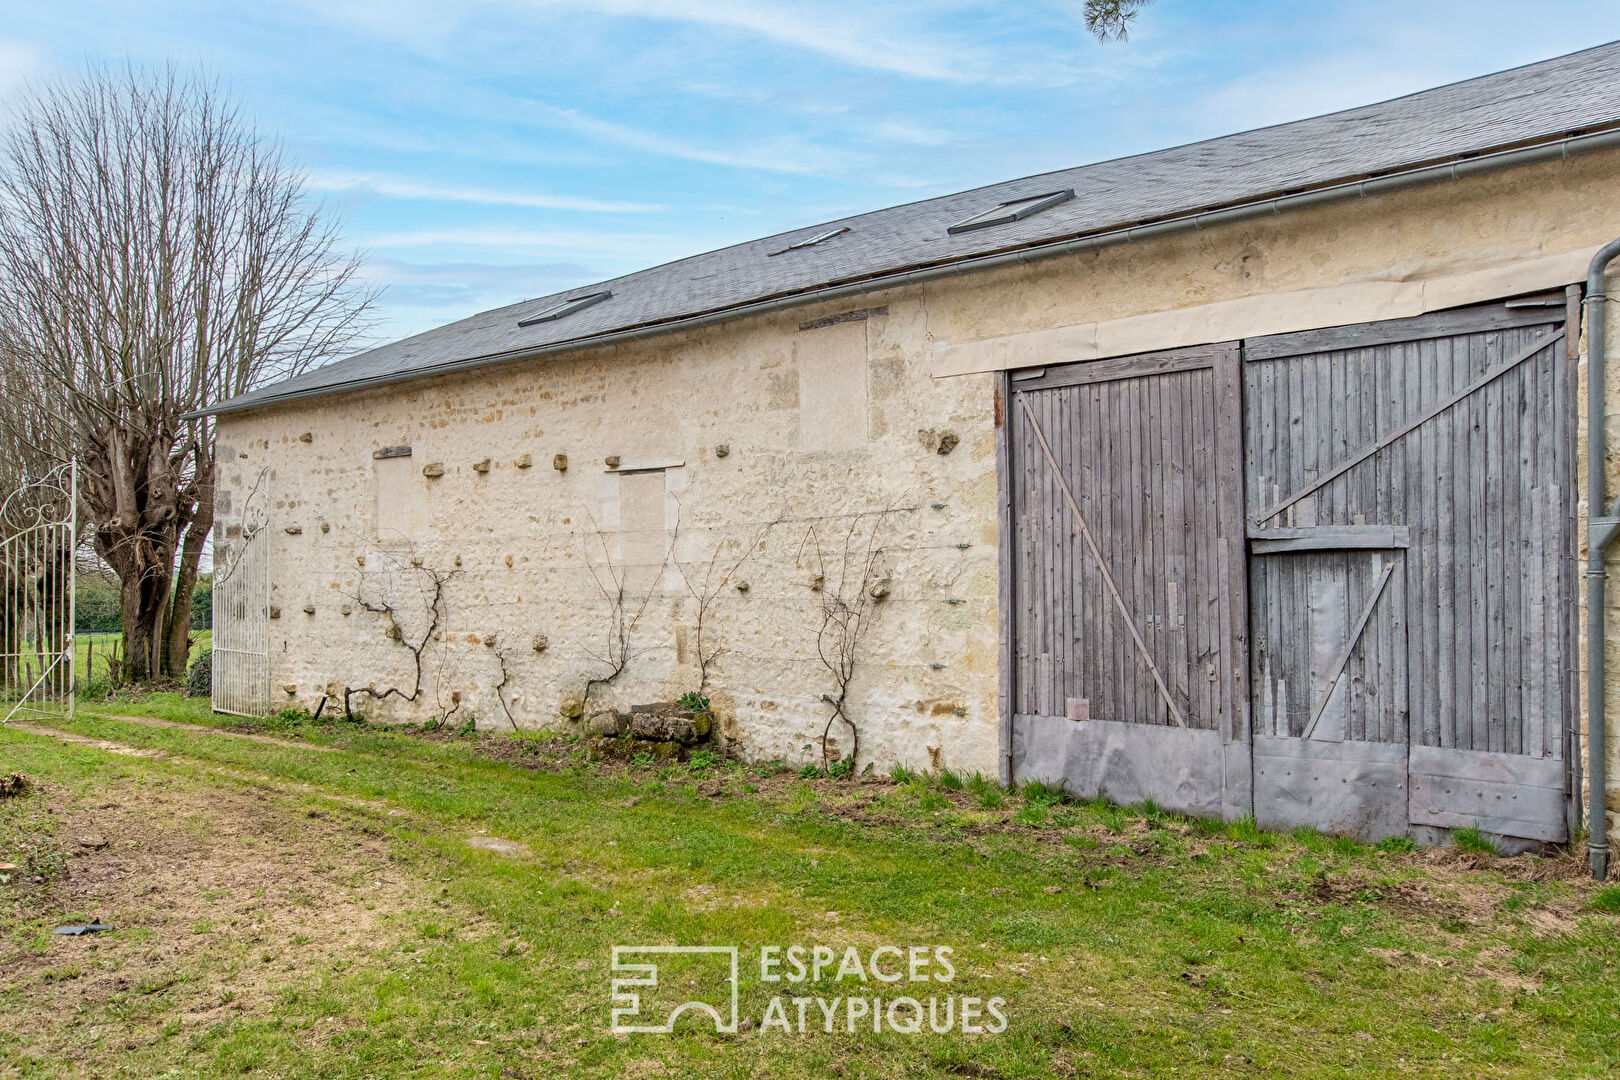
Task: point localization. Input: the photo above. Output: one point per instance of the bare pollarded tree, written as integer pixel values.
(158, 253)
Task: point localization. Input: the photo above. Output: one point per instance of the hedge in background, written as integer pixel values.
(200, 679)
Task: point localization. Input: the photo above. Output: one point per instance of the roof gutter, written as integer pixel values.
(1376, 185)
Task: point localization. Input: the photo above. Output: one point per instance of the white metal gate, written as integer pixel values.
(241, 656)
(38, 538)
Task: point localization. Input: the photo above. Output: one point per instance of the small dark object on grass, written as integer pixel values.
(96, 926)
(14, 784)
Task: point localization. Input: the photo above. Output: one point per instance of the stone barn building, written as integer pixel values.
(1245, 476)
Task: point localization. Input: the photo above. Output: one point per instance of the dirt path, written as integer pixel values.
(176, 725)
(81, 740)
(491, 843)
(258, 779)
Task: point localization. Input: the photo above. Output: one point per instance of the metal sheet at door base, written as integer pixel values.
(1182, 769)
(1509, 794)
(1355, 788)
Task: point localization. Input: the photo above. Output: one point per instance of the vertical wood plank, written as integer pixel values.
(1484, 348)
(1568, 550)
(1228, 377)
(1063, 425)
(1147, 561)
(1460, 613)
(1493, 585)
(1102, 687)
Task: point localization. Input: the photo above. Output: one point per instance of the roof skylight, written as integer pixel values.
(812, 241)
(561, 308)
(1012, 210)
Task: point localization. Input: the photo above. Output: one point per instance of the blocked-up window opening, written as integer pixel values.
(832, 386)
(395, 479)
(642, 525)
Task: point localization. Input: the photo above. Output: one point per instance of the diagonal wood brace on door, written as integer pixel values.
(1102, 567)
(1406, 429)
(1339, 661)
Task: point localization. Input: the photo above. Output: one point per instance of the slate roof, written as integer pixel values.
(1555, 98)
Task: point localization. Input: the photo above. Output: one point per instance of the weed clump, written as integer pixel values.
(1470, 839)
(989, 794)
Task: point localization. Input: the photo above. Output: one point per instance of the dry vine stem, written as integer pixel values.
(706, 589)
(850, 591)
(622, 619)
(500, 687)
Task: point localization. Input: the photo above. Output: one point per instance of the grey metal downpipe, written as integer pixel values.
(1602, 525)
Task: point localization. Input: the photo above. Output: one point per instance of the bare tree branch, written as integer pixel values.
(384, 599)
(624, 610)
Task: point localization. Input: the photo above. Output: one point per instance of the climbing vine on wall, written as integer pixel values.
(410, 596)
(850, 584)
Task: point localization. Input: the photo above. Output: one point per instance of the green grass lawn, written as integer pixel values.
(92, 652)
(287, 910)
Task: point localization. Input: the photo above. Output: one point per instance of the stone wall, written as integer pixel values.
(757, 472)
(767, 451)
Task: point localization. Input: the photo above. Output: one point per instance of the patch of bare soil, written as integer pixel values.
(1473, 889)
(1494, 963)
(219, 896)
(1413, 897)
(82, 740)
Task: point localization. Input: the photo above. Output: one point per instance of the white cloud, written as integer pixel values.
(519, 241)
(901, 39)
(847, 35)
(518, 277)
(909, 133)
(403, 188)
(783, 154)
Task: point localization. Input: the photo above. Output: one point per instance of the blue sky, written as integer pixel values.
(485, 152)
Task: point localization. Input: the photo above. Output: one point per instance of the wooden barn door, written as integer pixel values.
(1409, 489)
(1129, 663)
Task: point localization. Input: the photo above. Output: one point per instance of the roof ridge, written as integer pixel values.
(1534, 103)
